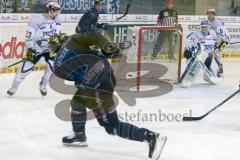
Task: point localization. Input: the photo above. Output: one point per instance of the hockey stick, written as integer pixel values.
(234, 42)
(186, 70)
(12, 64)
(220, 104)
(126, 12)
(21, 61)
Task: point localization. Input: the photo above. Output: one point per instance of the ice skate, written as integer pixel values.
(43, 89)
(220, 72)
(156, 144)
(75, 140)
(11, 91)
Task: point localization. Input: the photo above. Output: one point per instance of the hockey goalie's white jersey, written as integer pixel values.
(207, 41)
(39, 29)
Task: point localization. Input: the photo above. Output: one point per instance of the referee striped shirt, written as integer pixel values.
(168, 17)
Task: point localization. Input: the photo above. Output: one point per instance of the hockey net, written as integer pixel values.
(153, 52)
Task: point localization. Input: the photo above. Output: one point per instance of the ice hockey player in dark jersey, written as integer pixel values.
(83, 59)
(89, 21)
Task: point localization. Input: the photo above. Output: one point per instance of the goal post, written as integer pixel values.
(173, 75)
(154, 53)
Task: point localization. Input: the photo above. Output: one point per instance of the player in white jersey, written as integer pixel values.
(223, 36)
(199, 53)
(39, 29)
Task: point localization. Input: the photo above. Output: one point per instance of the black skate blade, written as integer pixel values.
(76, 144)
(161, 141)
(43, 93)
(10, 93)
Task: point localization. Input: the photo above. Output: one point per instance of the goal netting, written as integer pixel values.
(152, 52)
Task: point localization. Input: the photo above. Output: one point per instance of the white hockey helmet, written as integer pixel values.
(205, 27)
(53, 8)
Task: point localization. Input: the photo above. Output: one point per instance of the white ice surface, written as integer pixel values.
(29, 129)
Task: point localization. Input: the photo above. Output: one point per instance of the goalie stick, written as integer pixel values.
(220, 104)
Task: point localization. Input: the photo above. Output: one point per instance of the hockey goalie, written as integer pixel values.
(201, 53)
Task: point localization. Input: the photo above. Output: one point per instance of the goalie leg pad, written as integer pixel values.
(208, 75)
(210, 79)
(190, 73)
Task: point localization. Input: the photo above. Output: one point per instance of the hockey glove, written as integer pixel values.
(187, 54)
(110, 49)
(30, 55)
(105, 26)
(114, 54)
(56, 41)
(221, 45)
(195, 50)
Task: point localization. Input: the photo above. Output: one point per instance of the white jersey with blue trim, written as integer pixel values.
(39, 29)
(221, 31)
(206, 41)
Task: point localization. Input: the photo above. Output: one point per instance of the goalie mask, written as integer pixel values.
(205, 28)
(53, 8)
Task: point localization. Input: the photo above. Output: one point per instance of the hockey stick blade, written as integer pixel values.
(220, 104)
(193, 118)
(126, 12)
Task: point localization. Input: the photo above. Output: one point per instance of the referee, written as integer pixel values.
(167, 17)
